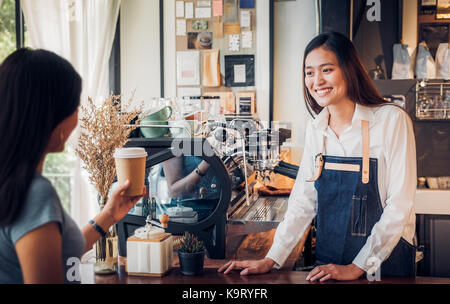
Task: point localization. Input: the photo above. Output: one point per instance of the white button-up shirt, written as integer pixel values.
(392, 143)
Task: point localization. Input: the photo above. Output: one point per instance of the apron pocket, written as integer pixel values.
(359, 216)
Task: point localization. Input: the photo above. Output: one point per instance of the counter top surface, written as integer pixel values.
(431, 201)
(252, 240)
(249, 240)
(211, 276)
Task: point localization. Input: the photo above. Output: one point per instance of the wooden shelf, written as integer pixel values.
(431, 19)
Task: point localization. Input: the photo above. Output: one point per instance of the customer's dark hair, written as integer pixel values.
(38, 90)
(360, 87)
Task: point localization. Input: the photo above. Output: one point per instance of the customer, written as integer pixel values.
(39, 99)
(364, 207)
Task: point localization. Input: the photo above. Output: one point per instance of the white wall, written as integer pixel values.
(409, 22)
(139, 49)
(170, 79)
(262, 55)
(295, 26)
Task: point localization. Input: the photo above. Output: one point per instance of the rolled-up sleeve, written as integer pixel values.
(301, 208)
(401, 178)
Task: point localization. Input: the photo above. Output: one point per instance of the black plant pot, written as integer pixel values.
(191, 263)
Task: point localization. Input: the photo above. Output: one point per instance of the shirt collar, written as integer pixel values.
(321, 120)
(361, 113)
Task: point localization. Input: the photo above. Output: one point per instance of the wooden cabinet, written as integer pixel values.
(432, 234)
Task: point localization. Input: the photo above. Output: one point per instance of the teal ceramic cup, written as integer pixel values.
(158, 118)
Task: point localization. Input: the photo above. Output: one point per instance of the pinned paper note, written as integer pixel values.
(245, 101)
(211, 68)
(188, 68)
(231, 11)
(232, 28)
(181, 27)
(234, 65)
(233, 43)
(203, 3)
(179, 6)
(189, 10)
(247, 4)
(227, 102)
(200, 25)
(217, 8)
(182, 92)
(239, 73)
(246, 19)
(203, 12)
(247, 40)
(217, 28)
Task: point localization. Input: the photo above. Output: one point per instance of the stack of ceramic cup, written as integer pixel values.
(151, 125)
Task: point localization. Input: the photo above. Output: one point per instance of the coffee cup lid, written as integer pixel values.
(130, 153)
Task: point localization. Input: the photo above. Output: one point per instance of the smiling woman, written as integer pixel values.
(324, 78)
(338, 58)
(357, 175)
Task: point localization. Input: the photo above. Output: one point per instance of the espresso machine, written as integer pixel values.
(206, 183)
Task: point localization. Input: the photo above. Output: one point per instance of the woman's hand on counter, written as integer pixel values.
(336, 272)
(248, 267)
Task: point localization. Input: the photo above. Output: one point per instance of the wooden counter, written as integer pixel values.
(244, 241)
(211, 276)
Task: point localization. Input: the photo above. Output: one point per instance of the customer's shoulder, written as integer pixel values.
(41, 206)
(41, 186)
(41, 193)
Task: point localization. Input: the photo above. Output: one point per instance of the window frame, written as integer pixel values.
(114, 62)
(20, 26)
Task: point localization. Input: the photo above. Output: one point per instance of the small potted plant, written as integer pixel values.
(191, 254)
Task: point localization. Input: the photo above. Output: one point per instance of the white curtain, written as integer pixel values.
(82, 31)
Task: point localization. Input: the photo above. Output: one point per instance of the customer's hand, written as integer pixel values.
(249, 267)
(337, 272)
(119, 205)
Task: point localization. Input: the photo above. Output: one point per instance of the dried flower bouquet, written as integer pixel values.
(103, 129)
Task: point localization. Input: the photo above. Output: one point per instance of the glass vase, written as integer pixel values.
(106, 249)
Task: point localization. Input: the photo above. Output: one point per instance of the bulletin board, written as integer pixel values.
(216, 50)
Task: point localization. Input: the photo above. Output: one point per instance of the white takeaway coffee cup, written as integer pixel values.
(130, 165)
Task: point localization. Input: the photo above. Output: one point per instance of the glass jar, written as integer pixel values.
(106, 249)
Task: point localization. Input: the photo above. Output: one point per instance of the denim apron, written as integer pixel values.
(348, 207)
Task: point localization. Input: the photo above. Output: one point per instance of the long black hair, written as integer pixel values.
(360, 88)
(38, 90)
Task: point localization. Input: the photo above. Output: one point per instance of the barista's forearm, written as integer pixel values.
(184, 185)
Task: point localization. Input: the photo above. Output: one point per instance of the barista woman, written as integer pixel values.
(357, 175)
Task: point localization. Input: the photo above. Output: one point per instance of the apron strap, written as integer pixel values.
(318, 163)
(365, 151)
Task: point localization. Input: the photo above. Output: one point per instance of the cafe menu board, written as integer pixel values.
(215, 46)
